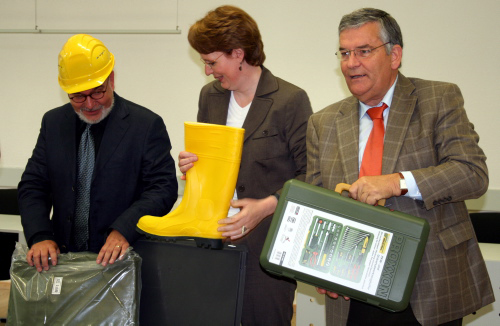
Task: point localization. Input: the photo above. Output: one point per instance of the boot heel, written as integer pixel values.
(209, 243)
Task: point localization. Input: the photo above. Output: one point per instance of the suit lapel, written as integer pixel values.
(218, 105)
(348, 139)
(402, 107)
(260, 104)
(256, 115)
(116, 128)
(68, 143)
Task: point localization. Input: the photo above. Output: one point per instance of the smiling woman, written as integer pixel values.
(274, 115)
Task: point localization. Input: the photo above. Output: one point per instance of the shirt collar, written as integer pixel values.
(387, 100)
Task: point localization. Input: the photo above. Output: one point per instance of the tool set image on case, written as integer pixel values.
(336, 249)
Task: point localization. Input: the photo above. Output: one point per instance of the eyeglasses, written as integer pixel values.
(360, 53)
(211, 64)
(80, 98)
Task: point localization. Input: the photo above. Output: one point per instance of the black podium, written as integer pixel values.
(186, 285)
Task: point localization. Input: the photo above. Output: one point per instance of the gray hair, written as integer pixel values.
(389, 28)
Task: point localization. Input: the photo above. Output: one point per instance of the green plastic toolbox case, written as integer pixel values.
(365, 252)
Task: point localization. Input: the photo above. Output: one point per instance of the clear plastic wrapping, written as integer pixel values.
(77, 291)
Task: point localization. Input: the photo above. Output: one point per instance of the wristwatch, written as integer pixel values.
(402, 184)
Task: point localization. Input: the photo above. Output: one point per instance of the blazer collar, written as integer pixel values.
(218, 104)
(347, 125)
(113, 134)
(68, 138)
(261, 104)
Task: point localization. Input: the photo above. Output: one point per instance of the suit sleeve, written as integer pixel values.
(296, 127)
(313, 162)
(34, 194)
(461, 172)
(158, 182)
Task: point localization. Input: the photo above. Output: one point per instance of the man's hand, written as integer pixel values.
(330, 294)
(371, 189)
(115, 247)
(252, 212)
(186, 160)
(40, 252)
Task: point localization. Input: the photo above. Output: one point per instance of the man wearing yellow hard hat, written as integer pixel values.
(98, 170)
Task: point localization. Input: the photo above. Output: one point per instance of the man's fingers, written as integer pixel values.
(123, 251)
(45, 261)
(38, 265)
(115, 253)
(37, 260)
(105, 259)
(29, 258)
(53, 256)
(111, 254)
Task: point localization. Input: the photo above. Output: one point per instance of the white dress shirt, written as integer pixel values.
(235, 118)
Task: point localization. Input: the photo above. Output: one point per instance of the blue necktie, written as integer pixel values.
(86, 159)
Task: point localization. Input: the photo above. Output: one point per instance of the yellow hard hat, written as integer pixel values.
(84, 63)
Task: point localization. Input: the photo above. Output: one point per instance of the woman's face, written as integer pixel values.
(224, 67)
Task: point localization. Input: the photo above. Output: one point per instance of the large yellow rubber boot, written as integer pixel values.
(209, 188)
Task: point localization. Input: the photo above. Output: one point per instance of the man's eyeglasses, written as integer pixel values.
(211, 64)
(80, 98)
(359, 53)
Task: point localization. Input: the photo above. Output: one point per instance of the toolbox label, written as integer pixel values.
(333, 248)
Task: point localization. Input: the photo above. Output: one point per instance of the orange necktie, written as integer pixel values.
(372, 157)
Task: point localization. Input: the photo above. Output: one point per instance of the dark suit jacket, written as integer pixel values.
(134, 176)
(429, 134)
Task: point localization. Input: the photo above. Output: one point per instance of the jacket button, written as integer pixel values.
(241, 188)
(434, 203)
(265, 132)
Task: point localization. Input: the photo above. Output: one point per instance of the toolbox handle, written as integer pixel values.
(345, 187)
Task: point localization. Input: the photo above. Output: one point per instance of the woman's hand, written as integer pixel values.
(252, 212)
(186, 160)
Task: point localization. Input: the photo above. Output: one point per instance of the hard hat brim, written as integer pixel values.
(88, 82)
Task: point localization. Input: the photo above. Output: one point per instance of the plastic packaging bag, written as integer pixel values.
(77, 291)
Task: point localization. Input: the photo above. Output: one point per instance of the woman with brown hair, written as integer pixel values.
(274, 114)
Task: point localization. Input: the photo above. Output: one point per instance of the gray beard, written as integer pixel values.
(104, 114)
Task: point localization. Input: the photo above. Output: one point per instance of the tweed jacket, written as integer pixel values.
(429, 134)
(274, 148)
(134, 175)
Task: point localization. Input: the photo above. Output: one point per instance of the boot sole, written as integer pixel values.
(206, 243)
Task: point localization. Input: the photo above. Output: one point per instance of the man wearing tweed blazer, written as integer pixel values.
(429, 139)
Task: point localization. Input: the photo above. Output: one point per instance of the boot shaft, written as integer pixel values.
(214, 141)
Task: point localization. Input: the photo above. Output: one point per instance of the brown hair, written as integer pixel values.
(227, 28)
